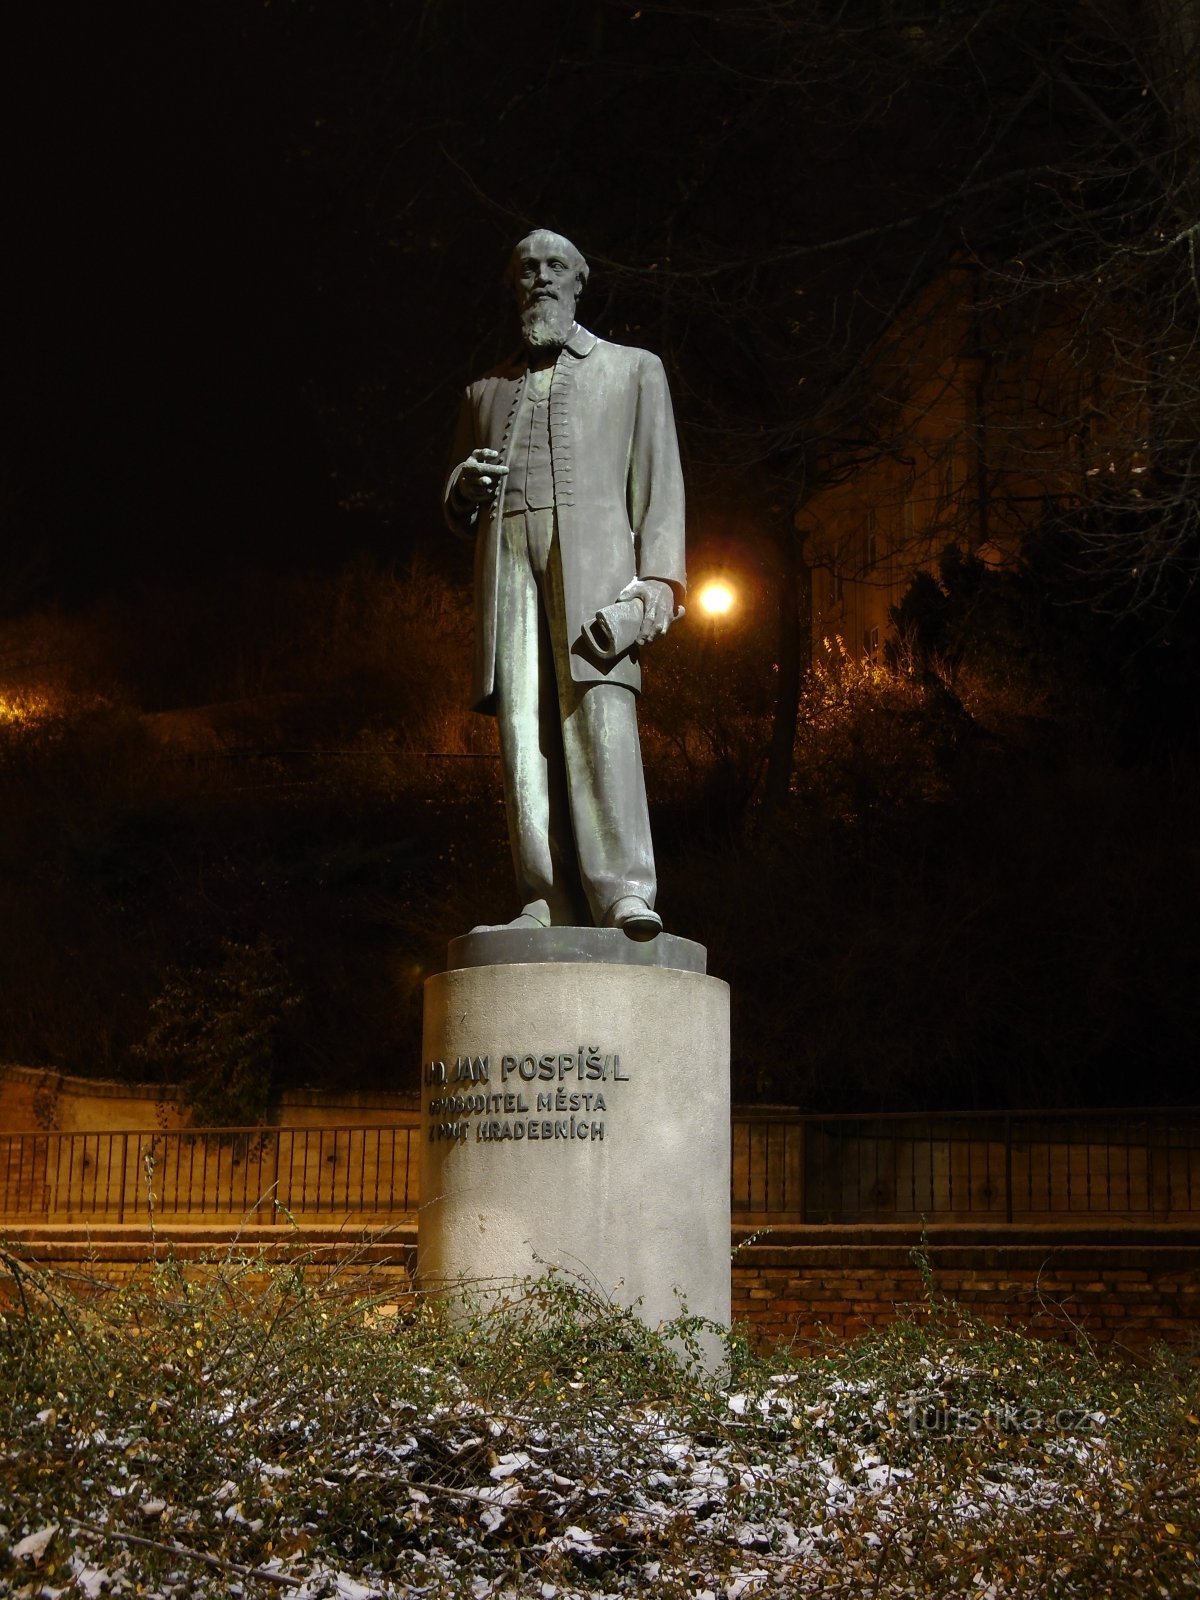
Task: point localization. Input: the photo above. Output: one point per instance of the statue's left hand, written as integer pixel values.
(658, 603)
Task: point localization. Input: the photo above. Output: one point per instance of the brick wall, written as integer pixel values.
(1134, 1288)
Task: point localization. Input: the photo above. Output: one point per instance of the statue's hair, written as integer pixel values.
(575, 257)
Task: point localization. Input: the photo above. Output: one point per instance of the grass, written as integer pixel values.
(254, 1430)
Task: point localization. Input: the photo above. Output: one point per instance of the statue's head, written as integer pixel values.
(546, 274)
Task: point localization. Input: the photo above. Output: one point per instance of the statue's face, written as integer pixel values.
(547, 275)
(546, 266)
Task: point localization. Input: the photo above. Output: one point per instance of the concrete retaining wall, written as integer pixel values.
(33, 1100)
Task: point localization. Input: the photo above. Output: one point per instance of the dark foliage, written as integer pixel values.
(981, 891)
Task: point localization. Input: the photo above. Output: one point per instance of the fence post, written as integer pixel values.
(124, 1171)
(803, 1197)
(1150, 1206)
(1008, 1198)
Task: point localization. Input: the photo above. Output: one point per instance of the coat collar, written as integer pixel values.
(581, 343)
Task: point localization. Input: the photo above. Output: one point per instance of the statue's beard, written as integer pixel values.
(547, 323)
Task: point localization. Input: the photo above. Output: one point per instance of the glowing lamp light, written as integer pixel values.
(716, 598)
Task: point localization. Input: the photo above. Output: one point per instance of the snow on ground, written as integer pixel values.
(503, 1505)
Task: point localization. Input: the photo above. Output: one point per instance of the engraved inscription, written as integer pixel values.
(591, 1063)
(564, 1111)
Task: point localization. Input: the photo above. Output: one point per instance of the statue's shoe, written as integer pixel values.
(634, 918)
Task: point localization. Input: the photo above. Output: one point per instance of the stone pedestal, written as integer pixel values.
(575, 1113)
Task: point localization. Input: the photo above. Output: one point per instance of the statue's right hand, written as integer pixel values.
(480, 476)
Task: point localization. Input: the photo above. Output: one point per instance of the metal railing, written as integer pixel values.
(264, 1174)
(987, 1167)
(1136, 1165)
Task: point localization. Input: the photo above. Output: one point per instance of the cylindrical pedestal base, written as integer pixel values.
(576, 1115)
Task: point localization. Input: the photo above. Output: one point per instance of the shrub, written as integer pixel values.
(214, 1029)
(238, 1428)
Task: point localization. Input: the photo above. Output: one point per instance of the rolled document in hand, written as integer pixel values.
(614, 629)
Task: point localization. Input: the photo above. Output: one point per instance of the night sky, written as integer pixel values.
(174, 329)
(250, 280)
(257, 248)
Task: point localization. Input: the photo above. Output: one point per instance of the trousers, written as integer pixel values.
(574, 788)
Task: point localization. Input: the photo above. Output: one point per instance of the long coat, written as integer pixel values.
(618, 492)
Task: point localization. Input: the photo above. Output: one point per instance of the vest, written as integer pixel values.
(530, 485)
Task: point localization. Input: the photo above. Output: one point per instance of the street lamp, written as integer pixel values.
(716, 598)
